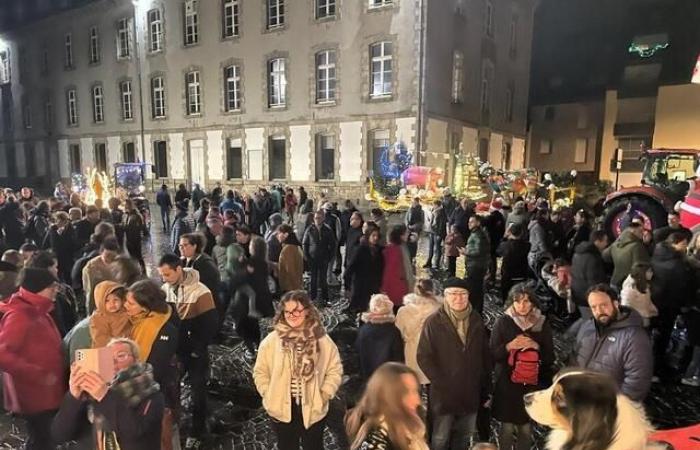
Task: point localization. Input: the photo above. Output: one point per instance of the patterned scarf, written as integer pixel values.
(532, 322)
(304, 341)
(460, 320)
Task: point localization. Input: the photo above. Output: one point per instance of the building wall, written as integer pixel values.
(678, 117)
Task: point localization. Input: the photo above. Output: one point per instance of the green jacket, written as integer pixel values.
(236, 263)
(625, 252)
(478, 250)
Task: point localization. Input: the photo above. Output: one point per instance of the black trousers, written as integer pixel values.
(451, 265)
(39, 431)
(293, 435)
(319, 275)
(663, 324)
(198, 371)
(248, 328)
(475, 277)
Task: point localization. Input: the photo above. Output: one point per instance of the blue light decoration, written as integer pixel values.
(392, 168)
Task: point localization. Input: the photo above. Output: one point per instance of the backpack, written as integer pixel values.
(526, 366)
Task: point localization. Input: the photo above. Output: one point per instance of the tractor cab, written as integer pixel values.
(670, 171)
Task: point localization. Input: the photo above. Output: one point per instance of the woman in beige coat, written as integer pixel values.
(297, 372)
(410, 319)
(290, 267)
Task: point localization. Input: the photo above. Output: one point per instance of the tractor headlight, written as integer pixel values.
(142, 188)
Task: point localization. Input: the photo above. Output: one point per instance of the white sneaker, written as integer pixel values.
(692, 381)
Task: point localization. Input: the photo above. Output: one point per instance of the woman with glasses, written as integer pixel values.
(297, 372)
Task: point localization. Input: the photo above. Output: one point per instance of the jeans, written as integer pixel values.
(319, 275)
(290, 435)
(39, 431)
(165, 218)
(508, 441)
(435, 248)
(453, 432)
(198, 370)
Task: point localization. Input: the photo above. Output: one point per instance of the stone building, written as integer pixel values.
(249, 92)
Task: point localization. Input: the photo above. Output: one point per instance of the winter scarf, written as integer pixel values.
(302, 344)
(460, 320)
(381, 310)
(145, 329)
(532, 322)
(104, 326)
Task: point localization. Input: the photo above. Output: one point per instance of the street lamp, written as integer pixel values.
(137, 55)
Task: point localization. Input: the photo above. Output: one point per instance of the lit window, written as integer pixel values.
(232, 88)
(457, 77)
(381, 68)
(325, 8)
(230, 18)
(97, 104)
(155, 30)
(126, 98)
(581, 151)
(94, 45)
(72, 107)
(277, 82)
(68, 55)
(4, 66)
(158, 97)
(275, 14)
(191, 22)
(193, 93)
(325, 76)
(123, 50)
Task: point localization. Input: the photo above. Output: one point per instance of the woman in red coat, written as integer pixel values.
(397, 279)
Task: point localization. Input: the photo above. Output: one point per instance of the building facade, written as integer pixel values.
(252, 92)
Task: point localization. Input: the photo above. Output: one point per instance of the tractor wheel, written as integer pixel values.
(652, 212)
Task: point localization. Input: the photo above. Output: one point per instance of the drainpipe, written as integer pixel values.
(422, 63)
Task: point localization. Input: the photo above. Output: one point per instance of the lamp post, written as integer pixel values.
(137, 55)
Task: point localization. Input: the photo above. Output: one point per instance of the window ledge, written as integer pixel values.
(194, 115)
(276, 28)
(160, 118)
(124, 58)
(232, 38)
(380, 8)
(233, 112)
(155, 52)
(277, 107)
(191, 45)
(326, 104)
(94, 63)
(381, 98)
(326, 19)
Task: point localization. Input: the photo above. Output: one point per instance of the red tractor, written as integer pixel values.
(666, 179)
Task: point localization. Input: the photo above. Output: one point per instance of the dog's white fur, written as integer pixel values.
(631, 428)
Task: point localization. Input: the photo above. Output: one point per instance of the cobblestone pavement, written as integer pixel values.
(237, 420)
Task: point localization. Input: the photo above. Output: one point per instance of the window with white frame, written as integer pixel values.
(508, 110)
(325, 9)
(72, 107)
(4, 66)
(48, 113)
(94, 45)
(234, 159)
(277, 157)
(98, 105)
(232, 88)
(193, 93)
(379, 3)
(155, 30)
(126, 100)
(457, 77)
(101, 157)
(275, 14)
(488, 19)
(160, 158)
(581, 152)
(513, 50)
(158, 97)
(123, 47)
(68, 51)
(191, 21)
(75, 165)
(129, 152)
(277, 82)
(325, 76)
(381, 69)
(325, 157)
(486, 76)
(26, 113)
(230, 18)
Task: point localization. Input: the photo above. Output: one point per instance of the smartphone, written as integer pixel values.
(99, 360)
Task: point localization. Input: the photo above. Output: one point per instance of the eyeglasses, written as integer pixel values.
(294, 312)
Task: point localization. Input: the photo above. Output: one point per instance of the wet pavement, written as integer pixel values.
(237, 420)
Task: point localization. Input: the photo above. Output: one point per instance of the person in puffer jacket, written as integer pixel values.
(587, 269)
(614, 342)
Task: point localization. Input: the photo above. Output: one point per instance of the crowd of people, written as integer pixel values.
(73, 277)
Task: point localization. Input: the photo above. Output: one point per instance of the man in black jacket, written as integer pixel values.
(415, 220)
(588, 269)
(352, 240)
(319, 248)
(166, 204)
(86, 226)
(460, 217)
(513, 250)
(438, 231)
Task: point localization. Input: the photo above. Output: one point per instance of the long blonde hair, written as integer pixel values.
(382, 405)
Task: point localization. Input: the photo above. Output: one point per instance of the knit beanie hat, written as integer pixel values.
(36, 280)
(456, 283)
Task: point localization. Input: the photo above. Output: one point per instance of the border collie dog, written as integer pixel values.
(586, 412)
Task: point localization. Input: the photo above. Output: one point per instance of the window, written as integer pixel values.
(191, 22)
(278, 158)
(232, 88)
(75, 166)
(325, 9)
(123, 50)
(581, 152)
(549, 112)
(193, 93)
(513, 51)
(157, 97)
(381, 54)
(160, 157)
(4, 66)
(98, 115)
(44, 61)
(234, 159)
(68, 54)
(26, 114)
(48, 113)
(72, 107)
(545, 147)
(94, 45)
(380, 142)
(457, 77)
(230, 18)
(277, 82)
(325, 76)
(488, 20)
(22, 64)
(101, 157)
(632, 146)
(486, 75)
(508, 112)
(129, 152)
(155, 30)
(126, 99)
(325, 157)
(379, 3)
(275, 14)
